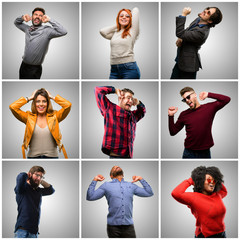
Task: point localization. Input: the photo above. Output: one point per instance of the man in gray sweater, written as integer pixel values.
(37, 38)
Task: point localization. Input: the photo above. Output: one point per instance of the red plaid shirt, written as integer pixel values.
(119, 124)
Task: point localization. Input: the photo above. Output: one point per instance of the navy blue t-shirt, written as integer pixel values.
(29, 203)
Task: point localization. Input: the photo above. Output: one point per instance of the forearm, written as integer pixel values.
(45, 184)
(141, 111)
(135, 21)
(108, 32)
(66, 107)
(147, 188)
(223, 191)
(174, 128)
(93, 194)
(59, 30)
(19, 24)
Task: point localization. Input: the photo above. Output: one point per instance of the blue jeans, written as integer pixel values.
(21, 233)
(188, 153)
(128, 70)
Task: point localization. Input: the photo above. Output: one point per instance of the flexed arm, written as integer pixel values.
(93, 194)
(57, 29)
(135, 23)
(108, 32)
(146, 191)
(19, 22)
(174, 128)
(21, 183)
(223, 191)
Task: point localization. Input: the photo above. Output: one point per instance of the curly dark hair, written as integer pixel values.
(198, 177)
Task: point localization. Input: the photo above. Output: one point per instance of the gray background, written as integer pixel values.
(62, 59)
(145, 210)
(146, 141)
(59, 212)
(13, 130)
(96, 49)
(225, 123)
(218, 54)
(177, 220)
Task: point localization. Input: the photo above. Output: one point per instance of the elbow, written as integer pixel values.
(229, 99)
(172, 133)
(102, 33)
(174, 195)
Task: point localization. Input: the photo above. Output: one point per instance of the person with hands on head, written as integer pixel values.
(191, 39)
(119, 194)
(205, 202)
(37, 38)
(119, 121)
(42, 133)
(122, 38)
(197, 119)
(29, 199)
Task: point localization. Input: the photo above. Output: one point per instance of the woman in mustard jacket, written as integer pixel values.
(42, 133)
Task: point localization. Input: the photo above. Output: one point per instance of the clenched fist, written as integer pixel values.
(186, 11)
(26, 18)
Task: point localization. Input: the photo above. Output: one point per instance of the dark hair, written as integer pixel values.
(43, 93)
(186, 89)
(37, 169)
(127, 90)
(198, 177)
(38, 9)
(216, 17)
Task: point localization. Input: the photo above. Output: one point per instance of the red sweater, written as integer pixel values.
(208, 210)
(198, 123)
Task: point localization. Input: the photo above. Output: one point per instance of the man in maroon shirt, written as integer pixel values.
(197, 120)
(119, 121)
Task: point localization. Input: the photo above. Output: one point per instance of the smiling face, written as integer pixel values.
(37, 18)
(190, 98)
(127, 101)
(209, 185)
(206, 14)
(41, 105)
(124, 19)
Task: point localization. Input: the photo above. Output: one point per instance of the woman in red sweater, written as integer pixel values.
(205, 202)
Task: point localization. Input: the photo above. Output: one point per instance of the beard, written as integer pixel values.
(118, 173)
(32, 183)
(36, 24)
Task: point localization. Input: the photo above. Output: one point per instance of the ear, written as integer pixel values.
(210, 21)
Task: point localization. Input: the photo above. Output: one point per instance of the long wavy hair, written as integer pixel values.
(127, 28)
(198, 177)
(43, 93)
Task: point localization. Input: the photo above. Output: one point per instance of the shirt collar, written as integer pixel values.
(116, 180)
(200, 25)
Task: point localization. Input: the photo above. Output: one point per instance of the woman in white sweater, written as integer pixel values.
(122, 37)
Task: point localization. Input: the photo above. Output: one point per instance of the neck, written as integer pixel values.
(119, 178)
(206, 193)
(202, 22)
(41, 115)
(198, 104)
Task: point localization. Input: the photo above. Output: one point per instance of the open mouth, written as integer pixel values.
(190, 104)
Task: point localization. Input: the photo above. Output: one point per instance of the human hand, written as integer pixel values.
(203, 95)
(26, 18)
(119, 93)
(99, 178)
(45, 18)
(136, 178)
(32, 96)
(179, 42)
(135, 101)
(186, 11)
(50, 95)
(172, 111)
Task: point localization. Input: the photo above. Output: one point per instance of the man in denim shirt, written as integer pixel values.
(119, 195)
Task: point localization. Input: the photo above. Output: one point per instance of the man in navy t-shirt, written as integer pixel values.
(29, 199)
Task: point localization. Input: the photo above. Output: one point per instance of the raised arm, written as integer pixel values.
(47, 188)
(57, 29)
(108, 32)
(19, 22)
(102, 101)
(223, 191)
(93, 194)
(21, 183)
(174, 128)
(135, 23)
(66, 107)
(140, 112)
(222, 100)
(15, 107)
(180, 195)
(146, 191)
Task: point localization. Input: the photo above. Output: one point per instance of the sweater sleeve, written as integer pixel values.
(135, 23)
(223, 191)
(102, 101)
(222, 100)
(174, 128)
(17, 112)
(20, 25)
(21, 183)
(57, 29)
(108, 32)
(146, 191)
(180, 195)
(47, 191)
(66, 107)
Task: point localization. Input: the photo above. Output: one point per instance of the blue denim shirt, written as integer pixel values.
(119, 196)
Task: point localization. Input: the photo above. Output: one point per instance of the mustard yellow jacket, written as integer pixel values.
(30, 120)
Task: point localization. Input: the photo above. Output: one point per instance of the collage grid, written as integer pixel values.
(78, 62)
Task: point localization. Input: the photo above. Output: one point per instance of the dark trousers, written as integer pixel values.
(178, 74)
(28, 71)
(218, 235)
(121, 231)
(188, 153)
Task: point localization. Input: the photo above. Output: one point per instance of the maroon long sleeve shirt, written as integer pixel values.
(198, 123)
